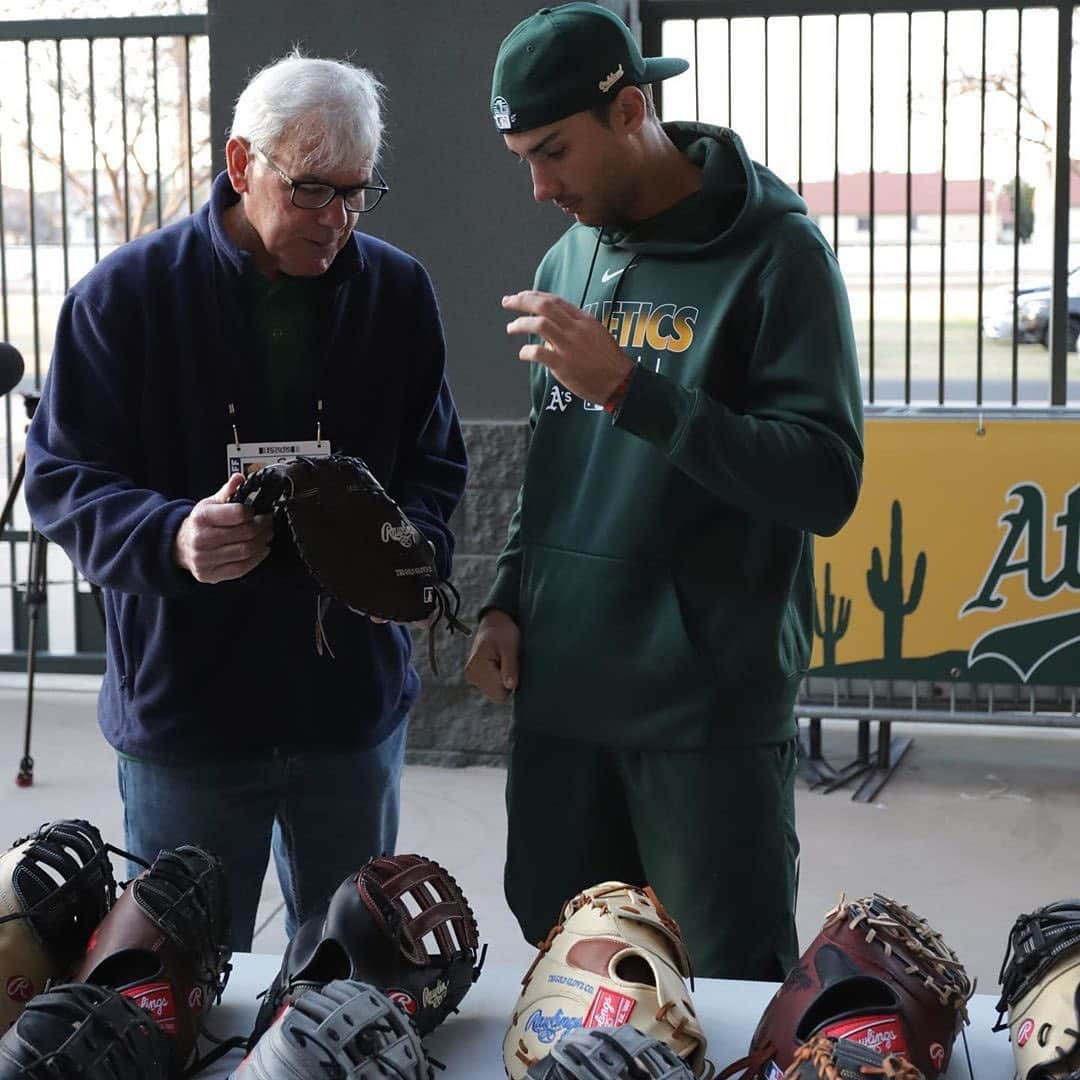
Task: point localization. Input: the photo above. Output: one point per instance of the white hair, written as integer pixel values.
(298, 93)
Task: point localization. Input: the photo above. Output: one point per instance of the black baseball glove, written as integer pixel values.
(354, 540)
(376, 930)
(83, 1031)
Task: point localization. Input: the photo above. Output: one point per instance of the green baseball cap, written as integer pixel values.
(566, 59)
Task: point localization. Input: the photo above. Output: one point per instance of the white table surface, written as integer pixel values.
(469, 1044)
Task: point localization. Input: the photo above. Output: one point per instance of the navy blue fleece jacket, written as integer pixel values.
(151, 346)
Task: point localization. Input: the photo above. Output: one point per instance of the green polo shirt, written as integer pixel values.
(283, 310)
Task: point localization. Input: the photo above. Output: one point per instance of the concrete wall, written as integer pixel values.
(459, 203)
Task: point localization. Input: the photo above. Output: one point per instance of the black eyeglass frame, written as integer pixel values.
(294, 185)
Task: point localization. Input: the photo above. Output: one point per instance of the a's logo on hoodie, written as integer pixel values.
(559, 399)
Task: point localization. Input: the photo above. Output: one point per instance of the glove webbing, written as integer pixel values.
(1036, 942)
(176, 895)
(885, 919)
(823, 1053)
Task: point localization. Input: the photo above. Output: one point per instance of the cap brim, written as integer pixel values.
(663, 67)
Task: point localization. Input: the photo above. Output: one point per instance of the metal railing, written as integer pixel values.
(104, 135)
(913, 131)
(935, 120)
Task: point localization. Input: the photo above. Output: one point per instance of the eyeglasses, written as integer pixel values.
(312, 196)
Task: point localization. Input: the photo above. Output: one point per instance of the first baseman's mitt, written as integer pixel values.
(347, 1030)
(823, 1058)
(55, 887)
(376, 930)
(621, 1053)
(615, 957)
(83, 1031)
(877, 974)
(1040, 980)
(353, 538)
(165, 945)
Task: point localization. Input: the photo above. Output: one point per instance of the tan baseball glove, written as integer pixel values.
(615, 957)
(55, 887)
(1040, 990)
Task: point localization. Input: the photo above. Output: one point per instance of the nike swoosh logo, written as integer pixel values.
(607, 275)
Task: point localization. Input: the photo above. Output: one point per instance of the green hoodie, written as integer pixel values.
(660, 561)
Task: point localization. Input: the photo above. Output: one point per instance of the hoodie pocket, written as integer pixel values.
(604, 644)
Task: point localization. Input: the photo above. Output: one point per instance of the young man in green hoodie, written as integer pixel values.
(696, 417)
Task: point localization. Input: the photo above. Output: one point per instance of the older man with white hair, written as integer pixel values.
(261, 327)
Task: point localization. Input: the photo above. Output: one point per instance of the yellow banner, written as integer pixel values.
(962, 559)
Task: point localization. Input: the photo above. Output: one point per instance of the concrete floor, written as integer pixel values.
(976, 826)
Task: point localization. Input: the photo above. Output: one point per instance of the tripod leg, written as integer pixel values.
(35, 600)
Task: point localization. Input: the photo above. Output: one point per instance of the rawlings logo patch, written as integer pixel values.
(1026, 1030)
(609, 1009)
(404, 1001)
(404, 535)
(881, 1034)
(937, 1055)
(157, 1000)
(435, 995)
(20, 988)
(195, 998)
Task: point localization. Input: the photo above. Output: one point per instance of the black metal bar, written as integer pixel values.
(836, 136)
(124, 137)
(146, 26)
(191, 142)
(694, 9)
(730, 89)
(944, 212)
(9, 455)
(55, 663)
(697, 74)
(94, 153)
(3, 276)
(907, 231)
(157, 136)
(63, 166)
(766, 90)
(33, 218)
(870, 388)
(1060, 331)
(982, 223)
(1016, 212)
(800, 124)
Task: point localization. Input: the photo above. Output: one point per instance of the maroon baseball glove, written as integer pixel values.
(876, 974)
(164, 945)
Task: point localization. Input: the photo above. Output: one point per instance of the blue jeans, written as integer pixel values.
(323, 815)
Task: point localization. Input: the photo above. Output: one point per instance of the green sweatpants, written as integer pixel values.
(712, 831)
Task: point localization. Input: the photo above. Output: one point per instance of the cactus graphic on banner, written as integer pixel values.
(831, 626)
(888, 592)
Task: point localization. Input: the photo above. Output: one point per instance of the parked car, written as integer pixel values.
(1033, 313)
